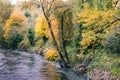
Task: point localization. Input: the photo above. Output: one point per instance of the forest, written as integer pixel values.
(80, 35)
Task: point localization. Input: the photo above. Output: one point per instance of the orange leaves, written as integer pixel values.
(16, 20)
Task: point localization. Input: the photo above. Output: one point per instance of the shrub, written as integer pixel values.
(31, 36)
(24, 44)
(51, 54)
(13, 40)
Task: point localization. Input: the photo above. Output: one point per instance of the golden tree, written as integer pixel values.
(16, 23)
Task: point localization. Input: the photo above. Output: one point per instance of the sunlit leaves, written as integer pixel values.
(40, 27)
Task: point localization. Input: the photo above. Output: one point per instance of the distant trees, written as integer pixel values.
(29, 5)
(5, 10)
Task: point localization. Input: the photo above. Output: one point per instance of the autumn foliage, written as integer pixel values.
(14, 30)
(51, 54)
(95, 23)
(42, 30)
(16, 21)
(41, 26)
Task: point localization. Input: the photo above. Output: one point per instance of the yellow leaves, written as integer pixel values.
(51, 54)
(41, 26)
(14, 20)
(94, 16)
(88, 39)
(94, 23)
(87, 16)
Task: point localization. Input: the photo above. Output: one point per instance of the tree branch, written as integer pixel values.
(113, 22)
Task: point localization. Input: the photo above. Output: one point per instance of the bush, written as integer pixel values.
(24, 44)
(14, 40)
(112, 44)
(51, 54)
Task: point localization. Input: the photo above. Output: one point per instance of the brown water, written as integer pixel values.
(17, 65)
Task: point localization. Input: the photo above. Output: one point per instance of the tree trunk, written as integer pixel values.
(63, 41)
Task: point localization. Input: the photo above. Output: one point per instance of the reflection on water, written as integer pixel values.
(25, 66)
(51, 72)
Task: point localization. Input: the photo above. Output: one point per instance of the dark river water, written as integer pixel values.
(18, 65)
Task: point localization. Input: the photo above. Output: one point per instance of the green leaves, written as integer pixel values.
(31, 36)
(112, 44)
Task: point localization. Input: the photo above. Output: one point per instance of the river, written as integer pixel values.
(19, 65)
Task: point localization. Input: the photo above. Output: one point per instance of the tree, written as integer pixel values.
(95, 23)
(65, 27)
(48, 9)
(14, 30)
